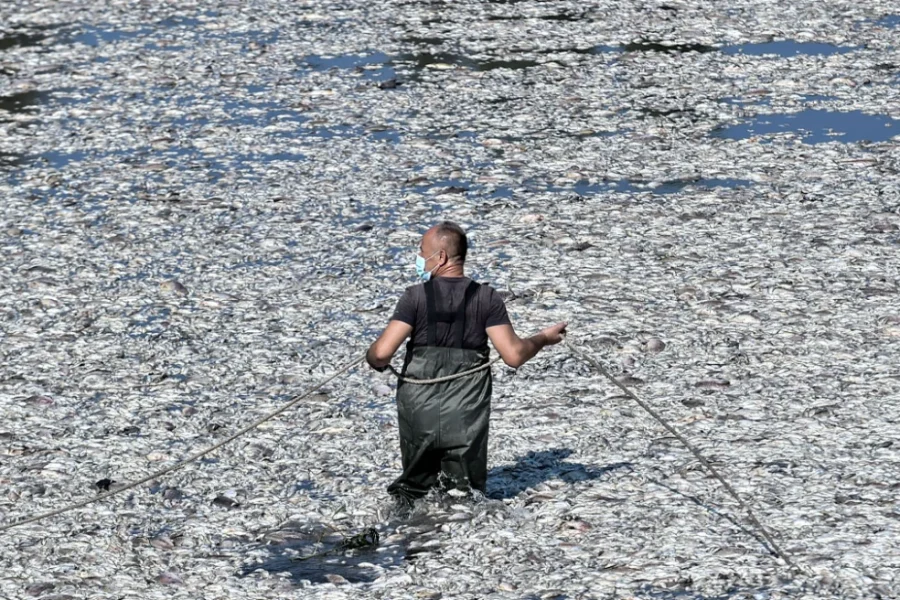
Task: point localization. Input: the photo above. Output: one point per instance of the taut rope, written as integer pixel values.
(752, 517)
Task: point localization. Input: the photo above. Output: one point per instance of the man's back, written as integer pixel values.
(485, 309)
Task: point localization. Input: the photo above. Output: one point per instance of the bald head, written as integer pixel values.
(450, 237)
(444, 248)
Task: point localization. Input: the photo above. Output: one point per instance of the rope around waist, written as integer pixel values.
(404, 379)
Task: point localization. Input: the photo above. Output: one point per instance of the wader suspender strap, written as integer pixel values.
(458, 317)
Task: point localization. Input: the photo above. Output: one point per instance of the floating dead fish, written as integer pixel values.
(39, 400)
(713, 384)
(169, 578)
(655, 345)
(189, 190)
(174, 286)
(226, 502)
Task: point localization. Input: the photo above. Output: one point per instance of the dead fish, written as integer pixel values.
(173, 286)
(38, 589)
(169, 578)
(655, 346)
(39, 400)
(336, 579)
(162, 542)
(225, 502)
(713, 384)
(173, 494)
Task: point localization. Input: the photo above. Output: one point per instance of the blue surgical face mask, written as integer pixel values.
(420, 267)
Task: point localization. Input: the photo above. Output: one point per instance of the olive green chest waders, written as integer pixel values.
(443, 426)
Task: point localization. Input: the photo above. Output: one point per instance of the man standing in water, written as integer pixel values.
(448, 320)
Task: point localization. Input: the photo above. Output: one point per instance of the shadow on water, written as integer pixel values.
(317, 553)
(537, 467)
(567, 17)
(423, 40)
(22, 102)
(21, 39)
(648, 46)
(349, 61)
(378, 66)
(313, 552)
(784, 48)
(816, 126)
(10, 160)
(423, 60)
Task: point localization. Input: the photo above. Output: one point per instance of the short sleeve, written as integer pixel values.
(406, 308)
(497, 314)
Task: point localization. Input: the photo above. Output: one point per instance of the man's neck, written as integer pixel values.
(451, 271)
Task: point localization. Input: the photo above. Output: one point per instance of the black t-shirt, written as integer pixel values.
(485, 309)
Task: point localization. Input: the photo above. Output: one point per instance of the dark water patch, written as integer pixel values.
(423, 40)
(22, 102)
(22, 39)
(787, 48)
(376, 66)
(596, 50)
(565, 17)
(348, 131)
(888, 21)
(385, 135)
(346, 61)
(490, 65)
(502, 100)
(649, 46)
(379, 66)
(424, 60)
(316, 553)
(9, 160)
(667, 112)
(816, 126)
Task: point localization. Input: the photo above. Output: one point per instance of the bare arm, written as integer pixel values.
(516, 351)
(382, 350)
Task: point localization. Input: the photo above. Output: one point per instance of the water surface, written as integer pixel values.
(816, 126)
